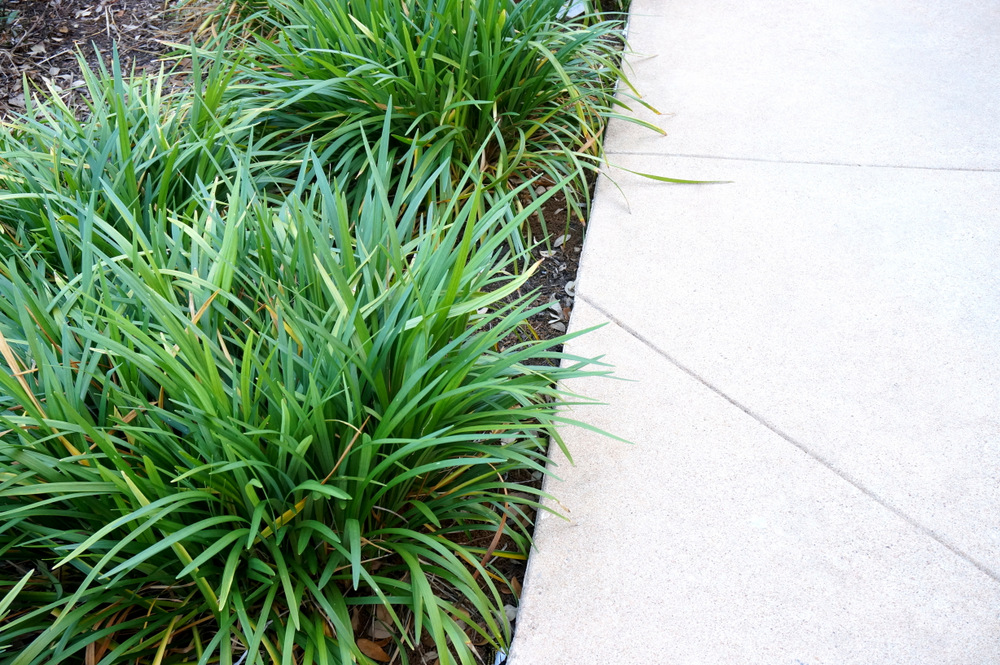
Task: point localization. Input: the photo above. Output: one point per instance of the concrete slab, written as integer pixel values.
(855, 310)
(713, 540)
(878, 82)
(816, 469)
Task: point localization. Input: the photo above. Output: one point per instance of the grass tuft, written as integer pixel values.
(512, 89)
(301, 417)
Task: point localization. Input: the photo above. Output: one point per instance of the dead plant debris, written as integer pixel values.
(40, 41)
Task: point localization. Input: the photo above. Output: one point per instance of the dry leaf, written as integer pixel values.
(510, 611)
(382, 619)
(379, 631)
(372, 650)
(356, 619)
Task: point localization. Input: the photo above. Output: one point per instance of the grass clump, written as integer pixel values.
(512, 89)
(146, 146)
(305, 417)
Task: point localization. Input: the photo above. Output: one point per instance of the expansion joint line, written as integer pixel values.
(802, 162)
(941, 540)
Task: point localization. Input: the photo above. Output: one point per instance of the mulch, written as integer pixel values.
(41, 41)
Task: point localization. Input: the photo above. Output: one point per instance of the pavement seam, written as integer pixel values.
(846, 477)
(764, 160)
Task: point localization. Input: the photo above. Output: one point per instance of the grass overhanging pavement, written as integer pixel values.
(252, 395)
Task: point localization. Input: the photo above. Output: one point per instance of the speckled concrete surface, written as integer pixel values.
(711, 539)
(815, 469)
(882, 82)
(855, 309)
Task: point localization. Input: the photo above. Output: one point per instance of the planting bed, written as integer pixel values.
(307, 373)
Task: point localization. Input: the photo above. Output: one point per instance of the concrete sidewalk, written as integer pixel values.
(814, 349)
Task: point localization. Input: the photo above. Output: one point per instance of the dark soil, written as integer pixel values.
(41, 40)
(557, 253)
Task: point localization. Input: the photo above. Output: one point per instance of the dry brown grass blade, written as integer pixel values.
(124, 420)
(204, 308)
(496, 536)
(18, 373)
(357, 433)
(493, 545)
(288, 328)
(592, 140)
(51, 341)
(290, 514)
(161, 651)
